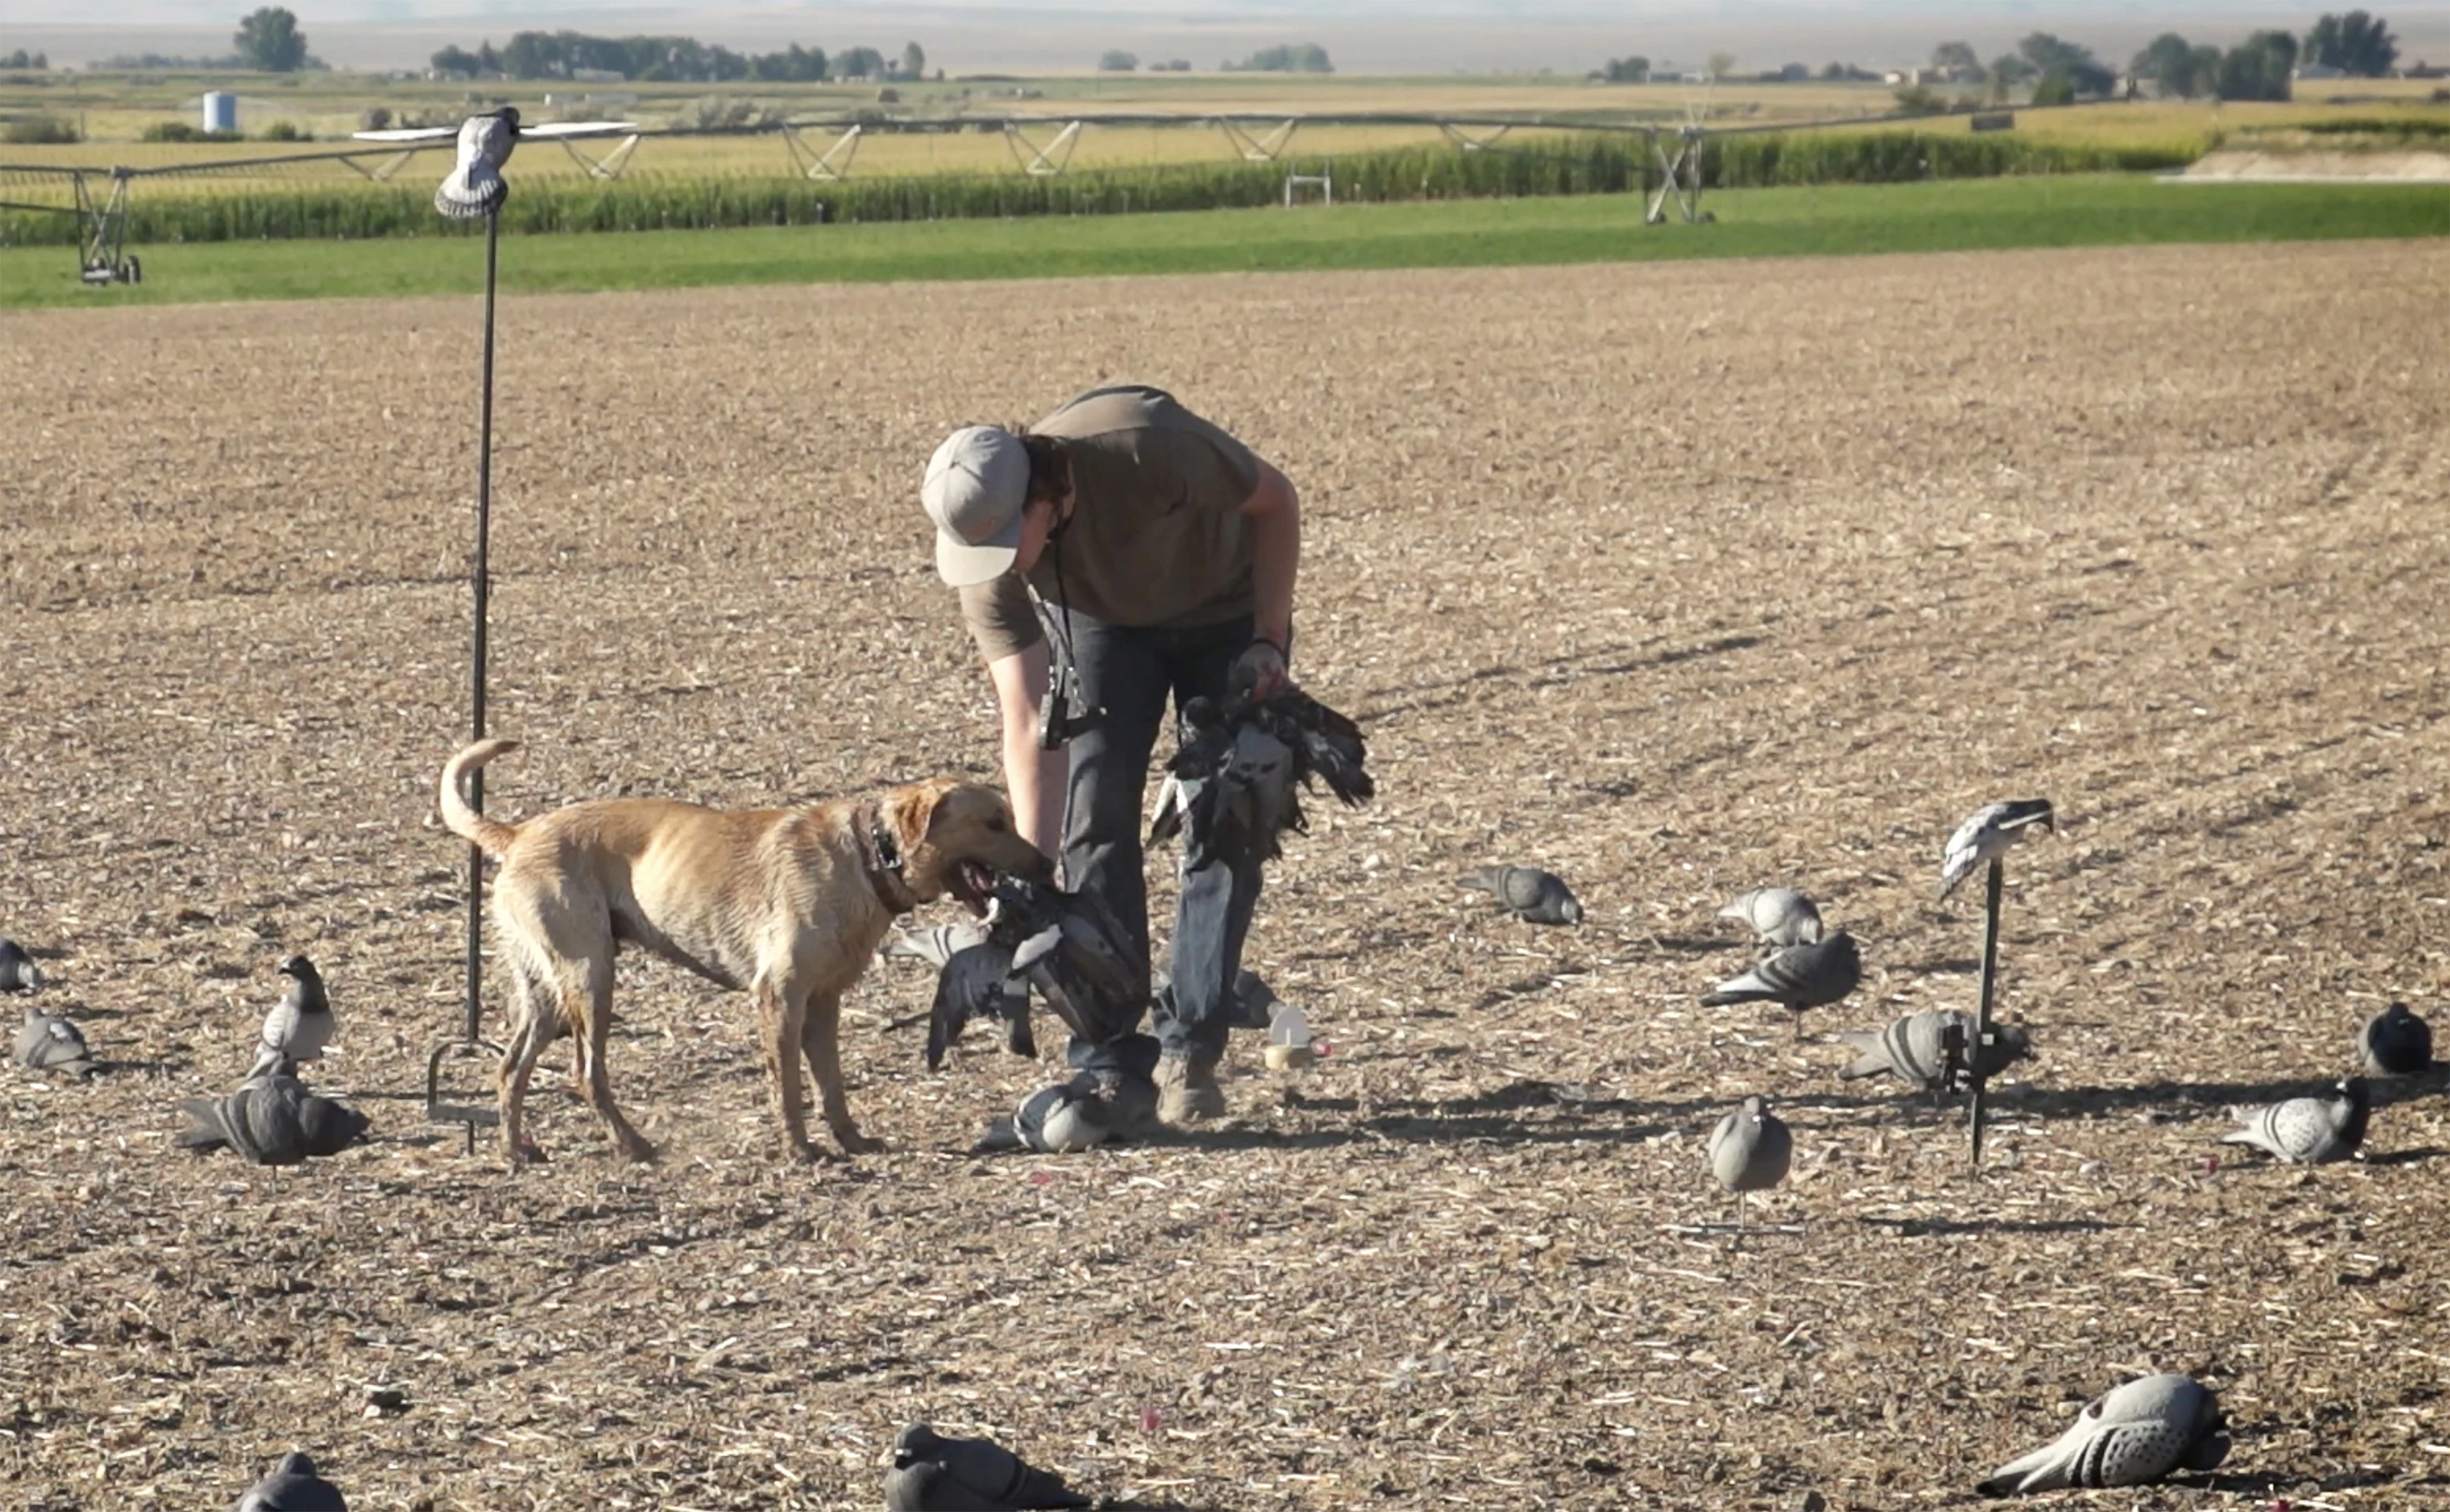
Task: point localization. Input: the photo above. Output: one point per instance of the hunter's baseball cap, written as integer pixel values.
(976, 485)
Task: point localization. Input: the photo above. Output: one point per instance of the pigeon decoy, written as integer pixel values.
(935, 1474)
(298, 1026)
(1750, 1152)
(475, 186)
(50, 1042)
(271, 1121)
(2132, 1435)
(2308, 1130)
(1529, 894)
(1062, 1120)
(1916, 1049)
(294, 1485)
(1778, 916)
(1796, 977)
(2397, 1043)
(1993, 828)
(18, 971)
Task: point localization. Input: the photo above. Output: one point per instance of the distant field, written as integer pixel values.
(1954, 215)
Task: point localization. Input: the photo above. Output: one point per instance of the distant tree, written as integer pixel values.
(1914, 99)
(1956, 58)
(1118, 60)
(1304, 57)
(914, 60)
(2055, 88)
(2086, 74)
(2203, 71)
(1634, 70)
(1177, 66)
(859, 63)
(374, 119)
(2164, 59)
(2355, 42)
(2259, 68)
(270, 40)
(454, 63)
(1721, 63)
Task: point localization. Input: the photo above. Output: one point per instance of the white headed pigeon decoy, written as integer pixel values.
(50, 1044)
(18, 971)
(298, 1026)
(2397, 1043)
(2132, 1435)
(1988, 834)
(1529, 894)
(2308, 1130)
(293, 1486)
(1778, 916)
(1797, 978)
(474, 188)
(935, 1474)
(1750, 1151)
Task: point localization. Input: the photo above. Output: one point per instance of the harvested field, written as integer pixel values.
(1681, 579)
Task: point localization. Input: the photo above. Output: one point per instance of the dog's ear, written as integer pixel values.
(915, 810)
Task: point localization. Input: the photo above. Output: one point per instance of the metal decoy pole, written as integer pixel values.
(1982, 1009)
(481, 582)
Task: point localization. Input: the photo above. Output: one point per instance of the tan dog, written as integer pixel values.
(789, 903)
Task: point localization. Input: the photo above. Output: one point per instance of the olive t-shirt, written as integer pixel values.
(1157, 538)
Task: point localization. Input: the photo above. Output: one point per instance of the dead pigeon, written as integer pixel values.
(2132, 1435)
(1529, 894)
(475, 186)
(1240, 766)
(272, 1120)
(1750, 1152)
(2308, 1130)
(50, 1042)
(1988, 834)
(293, 1486)
(2397, 1043)
(18, 971)
(1779, 915)
(1080, 957)
(1796, 977)
(974, 978)
(298, 1026)
(935, 1474)
(1916, 1049)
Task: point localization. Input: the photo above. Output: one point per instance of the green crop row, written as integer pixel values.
(161, 212)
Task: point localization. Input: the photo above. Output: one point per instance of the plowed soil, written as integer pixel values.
(1679, 579)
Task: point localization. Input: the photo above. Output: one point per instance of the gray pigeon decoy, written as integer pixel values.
(2132, 1435)
(50, 1042)
(935, 1474)
(2397, 1043)
(2308, 1130)
(1779, 915)
(298, 1026)
(1916, 1049)
(293, 1486)
(1750, 1151)
(1529, 894)
(271, 1121)
(18, 971)
(474, 188)
(1993, 828)
(1796, 977)
(1062, 1120)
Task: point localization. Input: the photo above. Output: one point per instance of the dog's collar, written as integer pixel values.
(882, 859)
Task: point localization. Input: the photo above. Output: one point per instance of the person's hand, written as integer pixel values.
(1261, 668)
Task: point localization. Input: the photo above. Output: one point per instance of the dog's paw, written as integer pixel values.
(525, 1153)
(855, 1143)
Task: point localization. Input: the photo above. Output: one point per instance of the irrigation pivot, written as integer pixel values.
(1987, 837)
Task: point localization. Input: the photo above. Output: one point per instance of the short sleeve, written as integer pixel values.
(1001, 617)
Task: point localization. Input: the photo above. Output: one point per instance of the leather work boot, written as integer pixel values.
(1187, 1090)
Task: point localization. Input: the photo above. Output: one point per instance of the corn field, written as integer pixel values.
(174, 210)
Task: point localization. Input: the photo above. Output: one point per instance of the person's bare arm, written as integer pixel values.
(1273, 510)
(1034, 779)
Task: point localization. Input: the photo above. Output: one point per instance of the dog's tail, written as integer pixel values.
(491, 836)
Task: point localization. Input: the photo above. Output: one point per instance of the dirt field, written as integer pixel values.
(1679, 578)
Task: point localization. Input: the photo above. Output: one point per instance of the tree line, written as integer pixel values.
(660, 60)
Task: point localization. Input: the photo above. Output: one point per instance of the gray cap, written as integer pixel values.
(976, 485)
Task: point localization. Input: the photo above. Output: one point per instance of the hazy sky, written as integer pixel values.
(1363, 36)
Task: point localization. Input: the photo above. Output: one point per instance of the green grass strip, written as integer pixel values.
(1964, 214)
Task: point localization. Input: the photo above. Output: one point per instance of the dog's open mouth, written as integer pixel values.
(971, 883)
